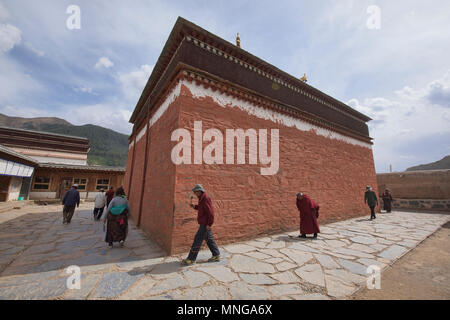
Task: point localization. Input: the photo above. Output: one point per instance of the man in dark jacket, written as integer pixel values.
(370, 197)
(387, 200)
(70, 200)
(205, 219)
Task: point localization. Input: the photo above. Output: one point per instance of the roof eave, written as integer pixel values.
(178, 27)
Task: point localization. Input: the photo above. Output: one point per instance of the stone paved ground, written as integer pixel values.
(36, 249)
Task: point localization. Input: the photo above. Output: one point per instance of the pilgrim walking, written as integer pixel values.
(387, 200)
(70, 200)
(116, 218)
(109, 195)
(309, 212)
(99, 204)
(205, 219)
(370, 197)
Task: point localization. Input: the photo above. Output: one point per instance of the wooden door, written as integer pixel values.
(66, 184)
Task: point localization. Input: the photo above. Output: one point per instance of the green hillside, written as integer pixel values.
(444, 163)
(108, 148)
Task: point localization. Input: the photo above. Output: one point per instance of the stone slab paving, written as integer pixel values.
(36, 249)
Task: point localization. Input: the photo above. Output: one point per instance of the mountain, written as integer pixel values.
(444, 163)
(108, 148)
(30, 123)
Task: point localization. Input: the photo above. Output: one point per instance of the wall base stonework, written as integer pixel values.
(421, 204)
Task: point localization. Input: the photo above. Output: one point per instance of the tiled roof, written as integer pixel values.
(185, 29)
(80, 167)
(16, 154)
(44, 132)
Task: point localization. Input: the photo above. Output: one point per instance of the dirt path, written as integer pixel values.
(423, 273)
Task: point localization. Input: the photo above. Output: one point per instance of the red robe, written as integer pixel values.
(309, 212)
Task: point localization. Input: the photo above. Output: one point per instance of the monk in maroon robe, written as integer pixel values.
(309, 212)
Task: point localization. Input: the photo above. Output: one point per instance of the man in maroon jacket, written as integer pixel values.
(205, 219)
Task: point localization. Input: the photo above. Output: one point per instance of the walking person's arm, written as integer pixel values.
(128, 208)
(78, 199)
(193, 206)
(208, 208)
(107, 210)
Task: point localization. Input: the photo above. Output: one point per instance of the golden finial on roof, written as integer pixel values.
(238, 40)
(304, 78)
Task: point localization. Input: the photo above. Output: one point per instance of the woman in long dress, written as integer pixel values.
(117, 218)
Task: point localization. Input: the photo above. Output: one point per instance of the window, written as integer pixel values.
(102, 184)
(81, 183)
(41, 183)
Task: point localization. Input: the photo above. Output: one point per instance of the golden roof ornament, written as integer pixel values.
(238, 40)
(304, 78)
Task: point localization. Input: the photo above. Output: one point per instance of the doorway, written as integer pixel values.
(66, 184)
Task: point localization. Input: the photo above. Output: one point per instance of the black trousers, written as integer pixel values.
(68, 213)
(98, 213)
(203, 234)
(372, 211)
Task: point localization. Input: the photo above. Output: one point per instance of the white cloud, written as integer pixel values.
(24, 112)
(9, 37)
(4, 13)
(401, 124)
(16, 85)
(104, 62)
(439, 93)
(134, 82)
(105, 114)
(38, 52)
(83, 89)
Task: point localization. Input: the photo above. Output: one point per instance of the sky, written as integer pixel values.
(387, 59)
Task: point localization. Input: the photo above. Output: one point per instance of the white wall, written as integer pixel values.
(38, 195)
(59, 160)
(13, 196)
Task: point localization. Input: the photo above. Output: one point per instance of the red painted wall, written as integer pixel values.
(157, 202)
(334, 173)
(134, 194)
(126, 180)
(158, 205)
(247, 204)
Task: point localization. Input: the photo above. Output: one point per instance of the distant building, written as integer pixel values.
(14, 169)
(46, 147)
(418, 189)
(39, 165)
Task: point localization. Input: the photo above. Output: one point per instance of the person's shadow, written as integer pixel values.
(157, 269)
(294, 239)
